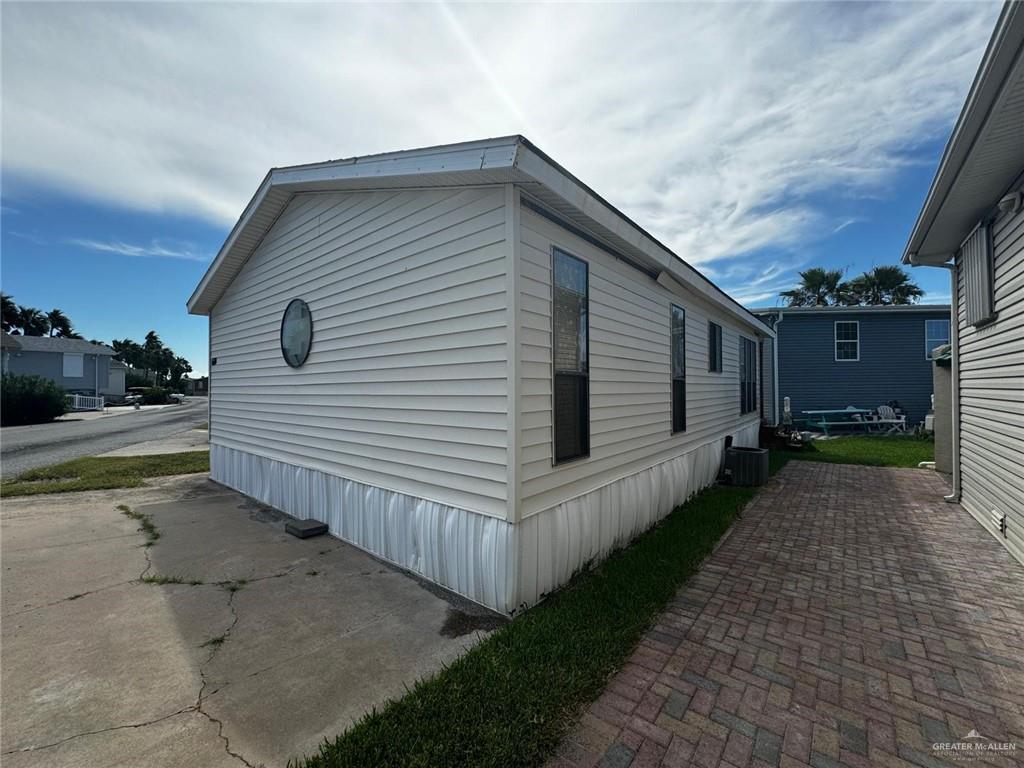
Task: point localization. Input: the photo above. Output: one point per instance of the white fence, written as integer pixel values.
(84, 403)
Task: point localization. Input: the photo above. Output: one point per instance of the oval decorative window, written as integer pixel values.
(296, 333)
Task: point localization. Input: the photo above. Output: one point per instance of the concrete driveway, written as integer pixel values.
(281, 642)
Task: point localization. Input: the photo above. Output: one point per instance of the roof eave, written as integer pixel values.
(997, 63)
(523, 162)
(550, 174)
(195, 304)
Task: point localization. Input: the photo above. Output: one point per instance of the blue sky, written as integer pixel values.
(52, 258)
(755, 140)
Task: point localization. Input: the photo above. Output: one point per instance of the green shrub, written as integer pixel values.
(30, 400)
(156, 396)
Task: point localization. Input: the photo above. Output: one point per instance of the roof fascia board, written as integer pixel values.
(471, 157)
(996, 64)
(875, 308)
(423, 152)
(240, 225)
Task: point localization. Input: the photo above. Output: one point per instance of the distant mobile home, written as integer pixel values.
(972, 224)
(466, 362)
(832, 357)
(75, 365)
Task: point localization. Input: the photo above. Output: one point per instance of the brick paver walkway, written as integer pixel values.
(853, 618)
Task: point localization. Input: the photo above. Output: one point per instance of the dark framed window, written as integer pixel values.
(748, 375)
(296, 333)
(847, 341)
(714, 348)
(570, 350)
(678, 369)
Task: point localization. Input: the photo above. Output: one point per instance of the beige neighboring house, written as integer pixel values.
(972, 224)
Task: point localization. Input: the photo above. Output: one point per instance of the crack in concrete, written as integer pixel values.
(227, 743)
(149, 564)
(70, 597)
(190, 708)
(202, 676)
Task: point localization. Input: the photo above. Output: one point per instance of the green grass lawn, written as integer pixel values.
(95, 473)
(869, 450)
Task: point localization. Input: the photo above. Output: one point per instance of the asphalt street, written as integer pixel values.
(39, 445)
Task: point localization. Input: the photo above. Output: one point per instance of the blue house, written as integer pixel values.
(74, 365)
(832, 357)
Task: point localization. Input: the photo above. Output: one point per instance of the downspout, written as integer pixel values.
(96, 375)
(954, 337)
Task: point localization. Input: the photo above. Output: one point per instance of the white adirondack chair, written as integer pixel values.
(887, 418)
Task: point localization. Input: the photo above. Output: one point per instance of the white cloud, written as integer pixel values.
(29, 237)
(715, 126)
(152, 251)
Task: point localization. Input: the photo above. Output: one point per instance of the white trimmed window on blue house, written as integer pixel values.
(847, 341)
(936, 334)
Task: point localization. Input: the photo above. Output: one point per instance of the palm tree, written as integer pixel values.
(32, 322)
(10, 312)
(885, 285)
(179, 368)
(60, 325)
(818, 288)
(153, 354)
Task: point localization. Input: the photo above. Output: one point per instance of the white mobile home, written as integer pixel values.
(972, 224)
(469, 364)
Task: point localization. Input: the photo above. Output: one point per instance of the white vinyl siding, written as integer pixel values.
(991, 363)
(630, 373)
(406, 383)
(73, 365)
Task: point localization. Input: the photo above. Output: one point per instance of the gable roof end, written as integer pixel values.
(507, 159)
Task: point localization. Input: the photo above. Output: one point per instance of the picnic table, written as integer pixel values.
(839, 417)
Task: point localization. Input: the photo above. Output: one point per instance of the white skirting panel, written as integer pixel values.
(464, 551)
(490, 561)
(561, 540)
